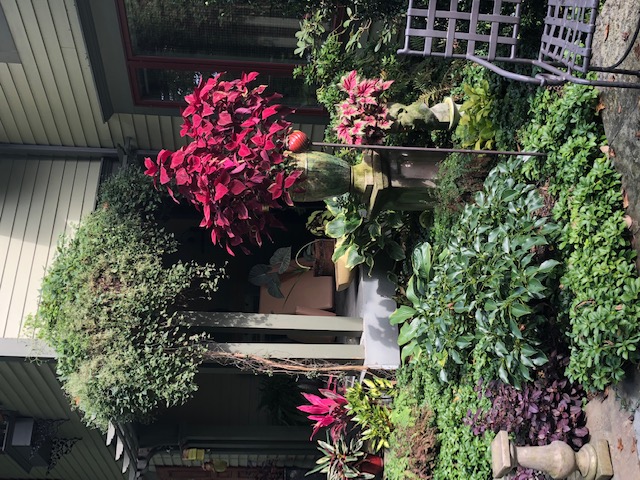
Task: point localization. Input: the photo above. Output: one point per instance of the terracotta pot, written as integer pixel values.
(372, 464)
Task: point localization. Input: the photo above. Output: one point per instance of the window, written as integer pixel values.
(170, 45)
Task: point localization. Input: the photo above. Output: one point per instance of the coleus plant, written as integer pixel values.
(328, 410)
(234, 170)
(363, 116)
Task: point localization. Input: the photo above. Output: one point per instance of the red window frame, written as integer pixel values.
(138, 62)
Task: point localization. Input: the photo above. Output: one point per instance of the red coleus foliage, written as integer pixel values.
(234, 170)
(363, 115)
(327, 411)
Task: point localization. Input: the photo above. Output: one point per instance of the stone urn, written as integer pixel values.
(325, 175)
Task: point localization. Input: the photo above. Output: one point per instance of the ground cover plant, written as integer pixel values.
(600, 284)
(575, 331)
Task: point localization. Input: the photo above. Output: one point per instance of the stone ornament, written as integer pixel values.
(558, 460)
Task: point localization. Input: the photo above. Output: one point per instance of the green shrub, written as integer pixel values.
(600, 284)
(360, 237)
(482, 293)
(110, 308)
(461, 454)
(476, 130)
(130, 191)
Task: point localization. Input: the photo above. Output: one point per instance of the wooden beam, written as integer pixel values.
(326, 351)
(280, 323)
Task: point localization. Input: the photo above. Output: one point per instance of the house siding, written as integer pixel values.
(40, 199)
(50, 97)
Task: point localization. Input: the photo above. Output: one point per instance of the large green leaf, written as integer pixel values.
(421, 261)
(547, 265)
(337, 227)
(519, 309)
(394, 250)
(353, 256)
(408, 331)
(410, 349)
(402, 314)
(281, 259)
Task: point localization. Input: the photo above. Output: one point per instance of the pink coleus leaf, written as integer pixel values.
(182, 177)
(291, 178)
(224, 119)
(164, 176)
(242, 211)
(269, 111)
(249, 77)
(237, 187)
(245, 151)
(152, 167)
(349, 81)
(221, 191)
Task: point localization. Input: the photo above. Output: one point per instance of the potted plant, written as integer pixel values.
(369, 407)
(361, 236)
(327, 410)
(234, 169)
(237, 168)
(341, 460)
(365, 116)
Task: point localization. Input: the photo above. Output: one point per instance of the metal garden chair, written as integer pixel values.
(486, 32)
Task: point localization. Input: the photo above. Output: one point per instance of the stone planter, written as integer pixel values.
(323, 176)
(343, 274)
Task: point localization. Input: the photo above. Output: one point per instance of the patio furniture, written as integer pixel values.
(487, 32)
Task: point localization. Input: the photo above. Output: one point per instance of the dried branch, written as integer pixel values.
(258, 364)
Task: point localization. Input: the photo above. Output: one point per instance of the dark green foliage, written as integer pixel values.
(131, 192)
(481, 296)
(279, 396)
(109, 307)
(459, 178)
(601, 288)
(360, 237)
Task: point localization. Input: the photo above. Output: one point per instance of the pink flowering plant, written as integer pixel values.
(327, 410)
(363, 118)
(234, 170)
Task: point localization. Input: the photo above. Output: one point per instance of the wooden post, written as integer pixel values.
(276, 323)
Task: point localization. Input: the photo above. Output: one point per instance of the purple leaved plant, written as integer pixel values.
(548, 409)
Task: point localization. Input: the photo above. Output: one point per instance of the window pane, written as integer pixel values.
(256, 30)
(172, 85)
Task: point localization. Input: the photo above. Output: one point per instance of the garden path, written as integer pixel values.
(616, 415)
